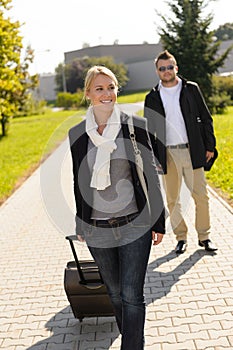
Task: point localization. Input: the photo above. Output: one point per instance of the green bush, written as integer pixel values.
(67, 100)
(218, 102)
(222, 94)
(32, 106)
(224, 84)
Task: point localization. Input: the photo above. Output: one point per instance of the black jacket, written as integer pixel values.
(197, 118)
(82, 175)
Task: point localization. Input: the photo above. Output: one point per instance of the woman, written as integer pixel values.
(113, 214)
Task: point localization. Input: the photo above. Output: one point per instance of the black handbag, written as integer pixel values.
(208, 165)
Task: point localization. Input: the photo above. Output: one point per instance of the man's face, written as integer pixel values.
(167, 70)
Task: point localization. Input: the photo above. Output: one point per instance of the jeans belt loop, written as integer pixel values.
(94, 222)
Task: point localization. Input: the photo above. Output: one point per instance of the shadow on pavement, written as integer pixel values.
(67, 333)
(167, 279)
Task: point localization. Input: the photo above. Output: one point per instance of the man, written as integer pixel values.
(183, 140)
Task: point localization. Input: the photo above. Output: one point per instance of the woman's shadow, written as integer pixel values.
(70, 334)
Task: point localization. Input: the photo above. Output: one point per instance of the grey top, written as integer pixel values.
(117, 199)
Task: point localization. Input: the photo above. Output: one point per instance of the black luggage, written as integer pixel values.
(84, 288)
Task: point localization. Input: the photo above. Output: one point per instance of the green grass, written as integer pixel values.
(220, 177)
(132, 97)
(30, 140)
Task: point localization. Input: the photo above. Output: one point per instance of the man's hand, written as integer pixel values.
(209, 155)
(157, 237)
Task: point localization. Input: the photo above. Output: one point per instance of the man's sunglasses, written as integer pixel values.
(163, 68)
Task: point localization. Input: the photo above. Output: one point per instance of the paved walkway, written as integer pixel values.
(189, 297)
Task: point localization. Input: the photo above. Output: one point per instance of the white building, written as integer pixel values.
(46, 89)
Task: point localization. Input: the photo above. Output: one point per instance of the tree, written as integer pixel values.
(187, 37)
(27, 81)
(76, 70)
(85, 45)
(224, 32)
(14, 78)
(73, 74)
(119, 69)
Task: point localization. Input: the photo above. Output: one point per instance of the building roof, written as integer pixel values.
(122, 53)
(132, 53)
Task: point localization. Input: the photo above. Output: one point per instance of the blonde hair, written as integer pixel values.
(93, 72)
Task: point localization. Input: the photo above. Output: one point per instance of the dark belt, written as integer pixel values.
(182, 145)
(115, 222)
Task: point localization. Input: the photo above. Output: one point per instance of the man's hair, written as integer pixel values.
(165, 55)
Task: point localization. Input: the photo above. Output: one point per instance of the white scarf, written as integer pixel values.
(105, 144)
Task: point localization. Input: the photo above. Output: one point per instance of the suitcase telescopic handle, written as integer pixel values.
(83, 280)
(71, 239)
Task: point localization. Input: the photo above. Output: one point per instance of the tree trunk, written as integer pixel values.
(5, 125)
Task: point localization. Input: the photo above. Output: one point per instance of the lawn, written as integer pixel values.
(132, 97)
(30, 140)
(220, 177)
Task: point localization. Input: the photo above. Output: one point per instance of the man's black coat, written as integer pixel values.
(197, 118)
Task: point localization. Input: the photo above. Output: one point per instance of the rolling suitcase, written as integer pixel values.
(84, 287)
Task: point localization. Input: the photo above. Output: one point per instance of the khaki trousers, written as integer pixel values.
(179, 167)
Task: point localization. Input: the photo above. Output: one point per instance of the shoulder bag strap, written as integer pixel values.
(138, 159)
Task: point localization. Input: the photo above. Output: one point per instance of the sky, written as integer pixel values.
(53, 27)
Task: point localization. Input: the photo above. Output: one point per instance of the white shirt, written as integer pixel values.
(175, 126)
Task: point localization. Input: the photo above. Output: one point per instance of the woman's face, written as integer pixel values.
(103, 92)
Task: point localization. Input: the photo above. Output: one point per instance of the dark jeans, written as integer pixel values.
(123, 270)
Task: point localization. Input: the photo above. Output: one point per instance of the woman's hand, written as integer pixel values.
(157, 237)
(80, 238)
